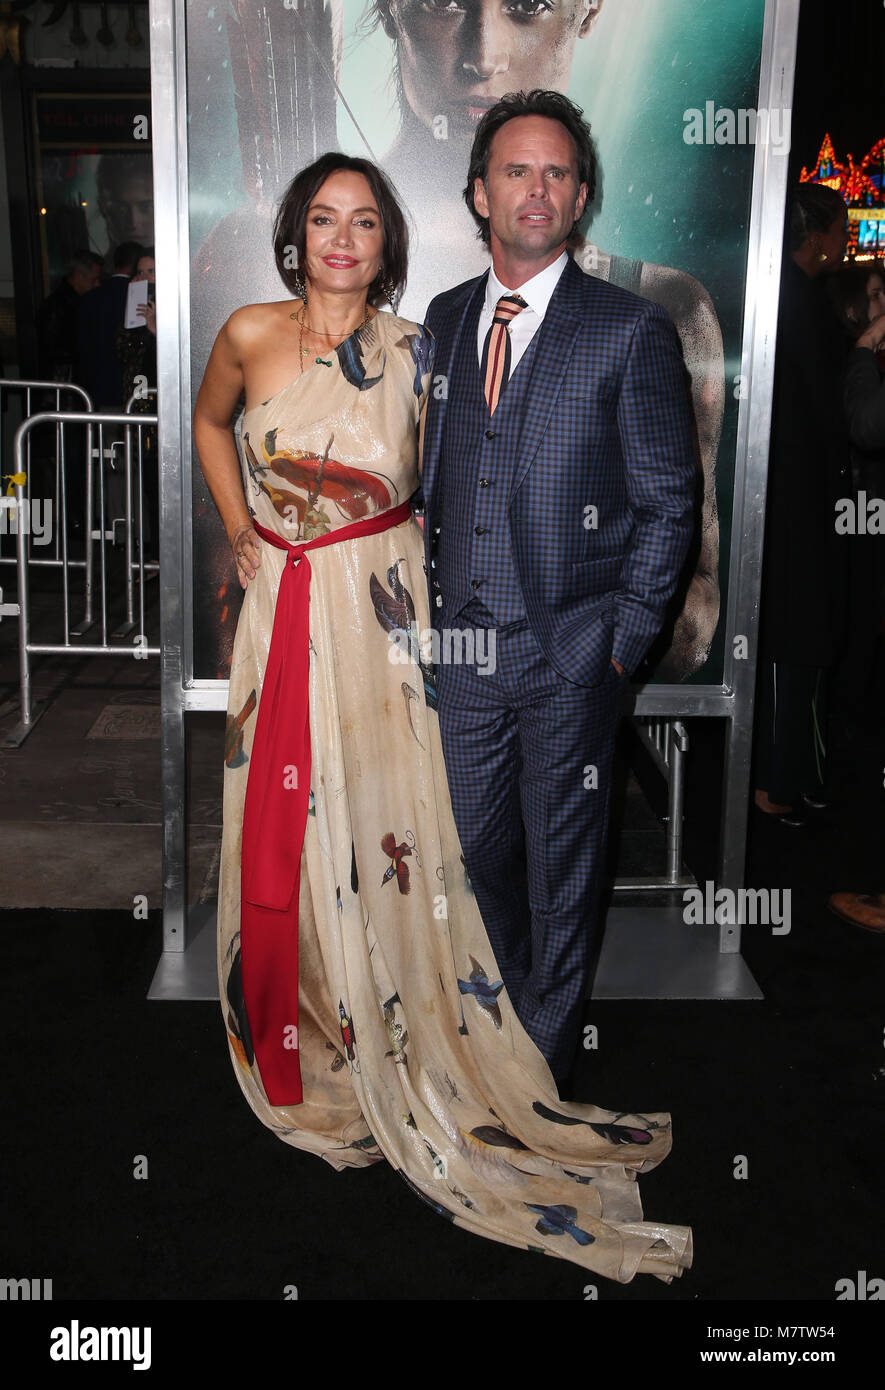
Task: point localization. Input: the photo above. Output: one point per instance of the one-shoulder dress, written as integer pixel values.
(391, 1034)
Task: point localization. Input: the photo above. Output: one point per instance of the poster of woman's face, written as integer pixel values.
(453, 61)
(405, 83)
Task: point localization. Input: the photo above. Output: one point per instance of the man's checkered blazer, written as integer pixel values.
(607, 426)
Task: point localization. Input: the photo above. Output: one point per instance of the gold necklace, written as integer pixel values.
(302, 324)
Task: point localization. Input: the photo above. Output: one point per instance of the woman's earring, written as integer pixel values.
(388, 291)
(823, 256)
(300, 287)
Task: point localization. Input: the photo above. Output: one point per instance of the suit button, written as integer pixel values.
(490, 434)
(480, 530)
(483, 482)
(475, 583)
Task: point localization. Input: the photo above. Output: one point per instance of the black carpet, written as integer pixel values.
(97, 1076)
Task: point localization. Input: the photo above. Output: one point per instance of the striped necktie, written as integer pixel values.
(496, 349)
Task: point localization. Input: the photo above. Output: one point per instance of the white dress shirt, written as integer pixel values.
(536, 292)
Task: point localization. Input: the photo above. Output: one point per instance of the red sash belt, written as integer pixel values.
(275, 816)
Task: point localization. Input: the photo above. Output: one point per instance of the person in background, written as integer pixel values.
(137, 347)
(865, 409)
(137, 350)
(858, 295)
(864, 393)
(58, 360)
(803, 576)
(99, 318)
(57, 318)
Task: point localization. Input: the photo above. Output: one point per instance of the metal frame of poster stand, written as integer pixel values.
(648, 951)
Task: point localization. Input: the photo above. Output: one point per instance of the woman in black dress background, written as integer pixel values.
(804, 568)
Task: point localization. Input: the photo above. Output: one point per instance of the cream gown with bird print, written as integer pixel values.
(409, 1048)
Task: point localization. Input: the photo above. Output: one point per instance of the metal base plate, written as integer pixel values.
(651, 953)
(647, 953)
(17, 735)
(192, 973)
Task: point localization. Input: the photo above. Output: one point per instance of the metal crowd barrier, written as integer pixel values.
(107, 454)
(9, 387)
(666, 742)
(133, 427)
(135, 561)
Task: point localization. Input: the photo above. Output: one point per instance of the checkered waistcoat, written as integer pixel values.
(600, 500)
(480, 456)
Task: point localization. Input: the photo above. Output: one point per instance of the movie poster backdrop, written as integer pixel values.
(670, 90)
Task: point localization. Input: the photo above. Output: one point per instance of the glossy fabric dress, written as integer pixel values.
(409, 1048)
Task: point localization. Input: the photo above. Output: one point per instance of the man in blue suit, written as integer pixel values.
(559, 471)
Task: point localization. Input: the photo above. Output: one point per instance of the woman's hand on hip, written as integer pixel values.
(245, 545)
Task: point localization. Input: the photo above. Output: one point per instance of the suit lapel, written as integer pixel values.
(563, 320)
(448, 343)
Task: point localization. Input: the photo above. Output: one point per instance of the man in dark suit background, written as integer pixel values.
(100, 319)
(58, 316)
(558, 474)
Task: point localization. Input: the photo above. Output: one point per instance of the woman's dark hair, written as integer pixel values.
(536, 103)
(848, 294)
(146, 252)
(377, 12)
(814, 207)
(126, 256)
(290, 224)
(84, 261)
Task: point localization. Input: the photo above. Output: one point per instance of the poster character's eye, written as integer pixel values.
(447, 7)
(529, 9)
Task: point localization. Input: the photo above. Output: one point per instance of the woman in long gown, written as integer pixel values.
(365, 1014)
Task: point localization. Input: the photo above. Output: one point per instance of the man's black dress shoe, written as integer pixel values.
(816, 802)
(797, 816)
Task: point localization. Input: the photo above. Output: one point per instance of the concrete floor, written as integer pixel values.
(80, 800)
